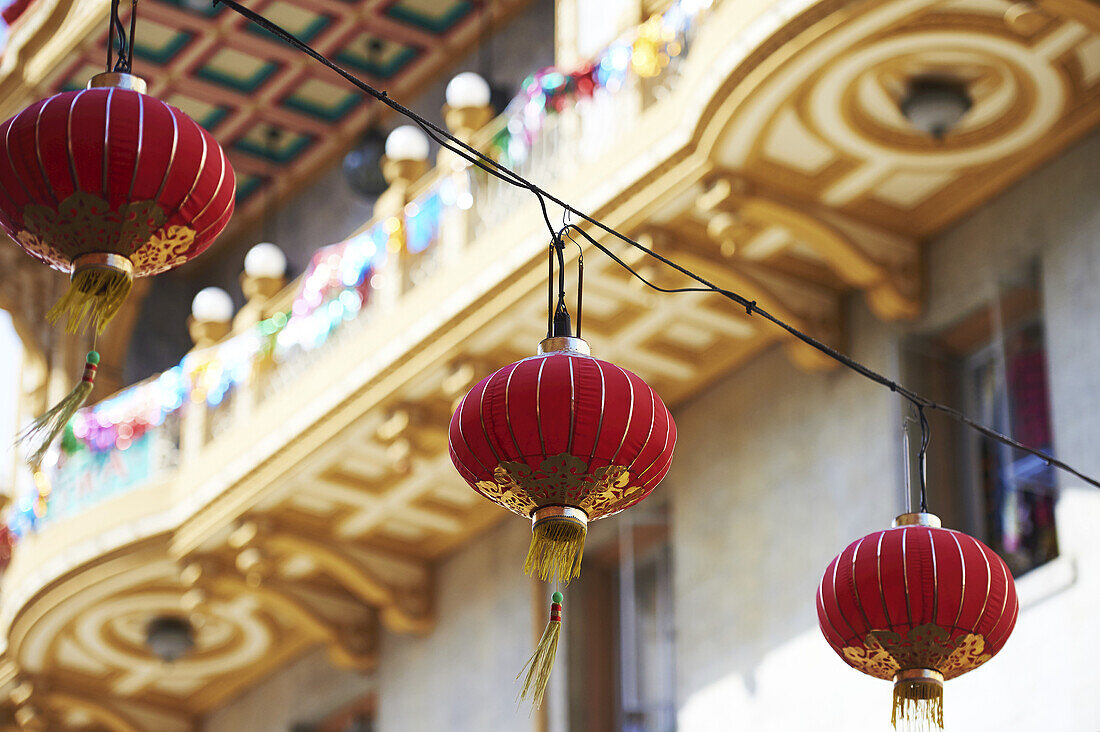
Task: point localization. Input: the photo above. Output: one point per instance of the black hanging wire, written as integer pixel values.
(130, 41)
(922, 458)
(116, 33)
(474, 157)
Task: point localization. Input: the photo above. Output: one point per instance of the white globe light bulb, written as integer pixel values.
(468, 90)
(212, 305)
(407, 143)
(265, 260)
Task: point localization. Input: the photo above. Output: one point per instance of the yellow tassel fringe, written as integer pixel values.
(93, 298)
(557, 546)
(540, 664)
(41, 433)
(918, 706)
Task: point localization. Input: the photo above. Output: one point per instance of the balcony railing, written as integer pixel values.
(150, 429)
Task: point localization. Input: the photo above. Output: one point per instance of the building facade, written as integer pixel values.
(286, 489)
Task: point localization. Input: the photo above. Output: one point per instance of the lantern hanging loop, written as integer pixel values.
(922, 456)
(907, 452)
(116, 32)
(558, 319)
(580, 271)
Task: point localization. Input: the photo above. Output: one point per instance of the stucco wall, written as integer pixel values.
(778, 470)
(461, 677)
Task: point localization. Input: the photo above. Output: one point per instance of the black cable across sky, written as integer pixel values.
(492, 167)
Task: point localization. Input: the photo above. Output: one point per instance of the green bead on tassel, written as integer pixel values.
(541, 662)
(40, 434)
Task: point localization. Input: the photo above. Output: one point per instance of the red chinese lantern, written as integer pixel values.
(561, 438)
(109, 184)
(7, 544)
(917, 604)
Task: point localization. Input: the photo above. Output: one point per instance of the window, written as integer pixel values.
(992, 364)
(619, 627)
(1007, 389)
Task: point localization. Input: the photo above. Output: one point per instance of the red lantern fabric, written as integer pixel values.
(112, 170)
(563, 429)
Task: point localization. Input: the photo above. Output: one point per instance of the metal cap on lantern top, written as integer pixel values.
(109, 184)
(562, 438)
(917, 604)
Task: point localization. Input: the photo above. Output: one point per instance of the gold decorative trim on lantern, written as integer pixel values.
(564, 344)
(918, 519)
(116, 80)
(884, 652)
(560, 480)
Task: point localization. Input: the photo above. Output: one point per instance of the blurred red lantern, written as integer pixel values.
(563, 439)
(917, 604)
(110, 184)
(7, 544)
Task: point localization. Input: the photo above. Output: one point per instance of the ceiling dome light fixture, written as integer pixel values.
(935, 104)
(169, 638)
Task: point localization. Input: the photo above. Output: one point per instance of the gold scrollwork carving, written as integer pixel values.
(562, 479)
(886, 652)
(84, 223)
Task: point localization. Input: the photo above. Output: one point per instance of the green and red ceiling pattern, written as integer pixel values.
(240, 83)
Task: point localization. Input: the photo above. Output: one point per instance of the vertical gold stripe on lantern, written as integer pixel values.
(855, 586)
(11, 161)
(214, 196)
(194, 183)
(935, 580)
(171, 157)
(962, 594)
(104, 187)
(140, 140)
(824, 611)
(668, 435)
(507, 407)
(629, 417)
(878, 570)
(988, 581)
(905, 577)
(38, 151)
(854, 637)
(69, 130)
(599, 425)
(462, 435)
(572, 409)
(649, 435)
(481, 418)
(538, 403)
